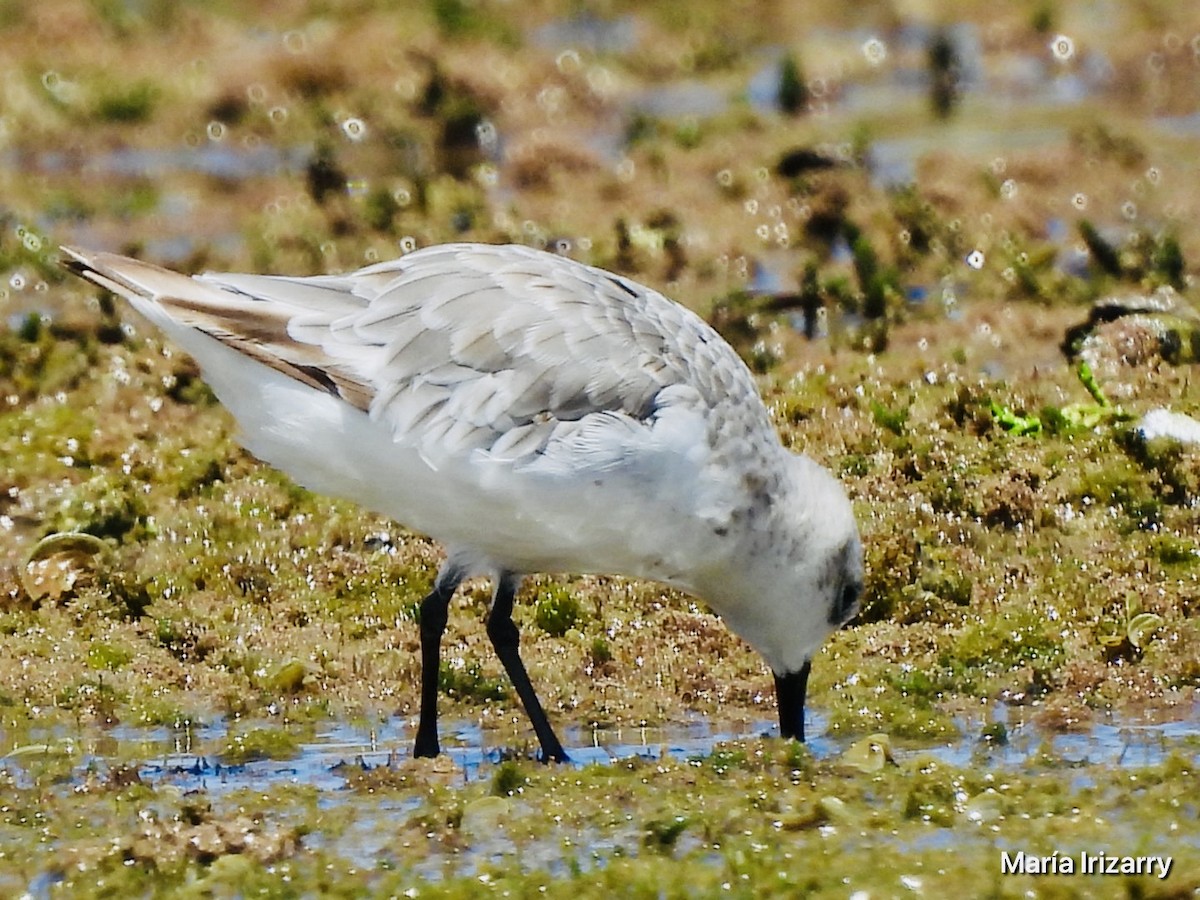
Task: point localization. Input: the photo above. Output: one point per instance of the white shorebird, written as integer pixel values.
(534, 415)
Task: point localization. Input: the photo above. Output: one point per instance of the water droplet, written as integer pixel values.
(1153, 175)
(751, 207)
(354, 128)
(486, 135)
(567, 61)
(256, 94)
(487, 175)
(763, 231)
(215, 131)
(408, 244)
(32, 242)
(1062, 47)
(601, 81)
(550, 98)
(402, 196)
(295, 42)
(975, 259)
(1080, 201)
(725, 178)
(17, 281)
(1008, 189)
(278, 114)
(1129, 210)
(874, 50)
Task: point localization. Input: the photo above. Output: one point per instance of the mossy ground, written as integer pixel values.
(1055, 572)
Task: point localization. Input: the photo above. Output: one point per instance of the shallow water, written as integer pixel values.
(188, 757)
(213, 159)
(185, 760)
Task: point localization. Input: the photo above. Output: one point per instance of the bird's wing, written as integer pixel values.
(178, 304)
(464, 347)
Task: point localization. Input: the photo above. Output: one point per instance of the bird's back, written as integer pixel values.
(501, 399)
(500, 348)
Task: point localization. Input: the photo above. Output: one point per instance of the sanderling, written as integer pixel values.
(533, 414)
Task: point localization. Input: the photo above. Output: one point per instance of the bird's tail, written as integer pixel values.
(132, 279)
(195, 313)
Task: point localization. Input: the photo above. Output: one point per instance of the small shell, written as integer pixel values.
(1140, 628)
(870, 754)
(61, 563)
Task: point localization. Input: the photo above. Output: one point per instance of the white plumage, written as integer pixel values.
(534, 415)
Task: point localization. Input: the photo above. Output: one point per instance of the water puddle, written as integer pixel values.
(997, 86)
(215, 160)
(892, 162)
(1111, 742)
(190, 757)
(587, 31)
(186, 761)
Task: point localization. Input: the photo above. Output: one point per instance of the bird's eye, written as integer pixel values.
(845, 607)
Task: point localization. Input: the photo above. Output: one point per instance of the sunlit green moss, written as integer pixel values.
(1055, 570)
(258, 744)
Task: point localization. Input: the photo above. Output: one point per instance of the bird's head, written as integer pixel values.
(800, 582)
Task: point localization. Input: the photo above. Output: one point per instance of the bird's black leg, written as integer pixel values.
(435, 610)
(505, 638)
(790, 690)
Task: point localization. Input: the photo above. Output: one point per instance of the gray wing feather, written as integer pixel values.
(505, 349)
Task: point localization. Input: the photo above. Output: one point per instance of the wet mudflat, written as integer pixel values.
(956, 242)
(484, 813)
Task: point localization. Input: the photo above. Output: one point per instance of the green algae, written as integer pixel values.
(259, 744)
(1051, 569)
(763, 826)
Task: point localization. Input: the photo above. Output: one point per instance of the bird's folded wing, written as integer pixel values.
(458, 348)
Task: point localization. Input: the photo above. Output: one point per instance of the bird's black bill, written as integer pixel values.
(790, 691)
